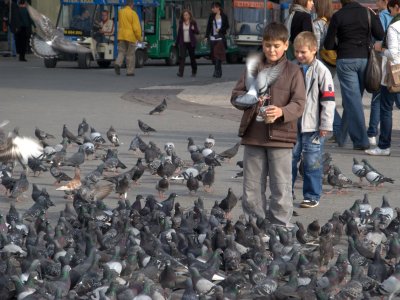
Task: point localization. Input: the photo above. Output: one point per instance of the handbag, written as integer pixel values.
(373, 72)
(393, 77)
(328, 56)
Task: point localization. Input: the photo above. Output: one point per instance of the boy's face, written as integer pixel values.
(274, 50)
(305, 54)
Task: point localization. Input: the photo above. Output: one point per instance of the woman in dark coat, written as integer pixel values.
(217, 26)
(23, 34)
(186, 41)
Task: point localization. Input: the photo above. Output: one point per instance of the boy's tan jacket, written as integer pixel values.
(288, 93)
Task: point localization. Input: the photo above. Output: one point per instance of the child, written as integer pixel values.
(317, 119)
(271, 90)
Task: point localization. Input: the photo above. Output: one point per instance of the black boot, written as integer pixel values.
(218, 68)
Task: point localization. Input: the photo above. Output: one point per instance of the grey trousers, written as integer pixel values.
(258, 163)
(126, 50)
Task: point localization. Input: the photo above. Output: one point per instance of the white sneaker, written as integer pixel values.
(372, 141)
(378, 151)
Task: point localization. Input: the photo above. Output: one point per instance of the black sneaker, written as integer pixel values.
(309, 203)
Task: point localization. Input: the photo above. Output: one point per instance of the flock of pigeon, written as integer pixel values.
(155, 249)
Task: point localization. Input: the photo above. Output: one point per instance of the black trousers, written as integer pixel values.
(182, 57)
(21, 41)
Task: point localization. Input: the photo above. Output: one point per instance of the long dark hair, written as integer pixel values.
(217, 5)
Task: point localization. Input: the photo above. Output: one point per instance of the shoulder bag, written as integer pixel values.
(373, 72)
(393, 77)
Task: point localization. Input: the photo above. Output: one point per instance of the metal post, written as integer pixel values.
(265, 13)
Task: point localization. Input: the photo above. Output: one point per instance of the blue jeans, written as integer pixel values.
(337, 122)
(387, 101)
(350, 72)
(374, 115)
(309, 145)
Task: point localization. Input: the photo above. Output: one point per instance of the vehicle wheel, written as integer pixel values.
(84, 60)
(139, 56)
(104, 63)
(50, 62)
(172, 60)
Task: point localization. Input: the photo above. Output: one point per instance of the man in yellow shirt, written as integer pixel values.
(129, 32)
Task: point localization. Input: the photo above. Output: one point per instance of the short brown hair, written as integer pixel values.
(305, 38)
(276, 31)
(323, 9)
(190, 15)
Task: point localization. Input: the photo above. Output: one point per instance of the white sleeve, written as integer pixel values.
(393, 40)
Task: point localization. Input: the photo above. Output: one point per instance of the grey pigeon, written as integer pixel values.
(162, 186)
(76, 159)
(137, 143)
(159, 108)
(229, 153)
(21, 186)
(67, 134)
(36, 165)
(96, 137)
(375, 178)
(113, 136)
(229, 202)
(83, 127)
(358, 169)
(42, 135)
(145, 128)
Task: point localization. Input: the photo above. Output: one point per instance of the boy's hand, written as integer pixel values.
(323, 133)
(273, 112)
(378, 46)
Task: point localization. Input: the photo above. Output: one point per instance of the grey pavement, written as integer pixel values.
(31, 95)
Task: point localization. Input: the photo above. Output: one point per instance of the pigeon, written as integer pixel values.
(83, 127)
(334, 181)
(358, 169)
(209, 142)
(192, 147)
(391, 285)
(20, 186)
(145, 128)
(162, 186)
(17, 148)
(96, 137)
(113, 137)
(58, 175)
(229, 153)
(159, 108)
(76, 159)
(7, 181)
(137, 143)
(42, 135)
(208, 178)
(228, 203)
(37, 166)
(192, 183)
(88, 147)
(376, 179)
(67, 134)
(73, 184)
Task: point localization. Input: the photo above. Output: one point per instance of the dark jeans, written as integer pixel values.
(21, 41)
(387, 101)
(374, 115)
(182, 57)
(337, 122)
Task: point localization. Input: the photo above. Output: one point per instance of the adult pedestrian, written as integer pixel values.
(24, 32)
(372, 131)
(186, 41)
(350, 27)
(11, 18)
(217, 26)
(129, 32)
(299, 20)
(390, 49)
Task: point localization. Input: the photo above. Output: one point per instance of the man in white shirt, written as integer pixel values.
(105, 34)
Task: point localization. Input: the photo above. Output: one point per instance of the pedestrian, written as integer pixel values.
(24, 32)
(372, 131)
(217, 26)
(349, 26)
(11, 18)
(186, 41)
(317, 119)
(324, 11)
(299, 20)
(390, 49)
(129, 32)
(268, 146)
